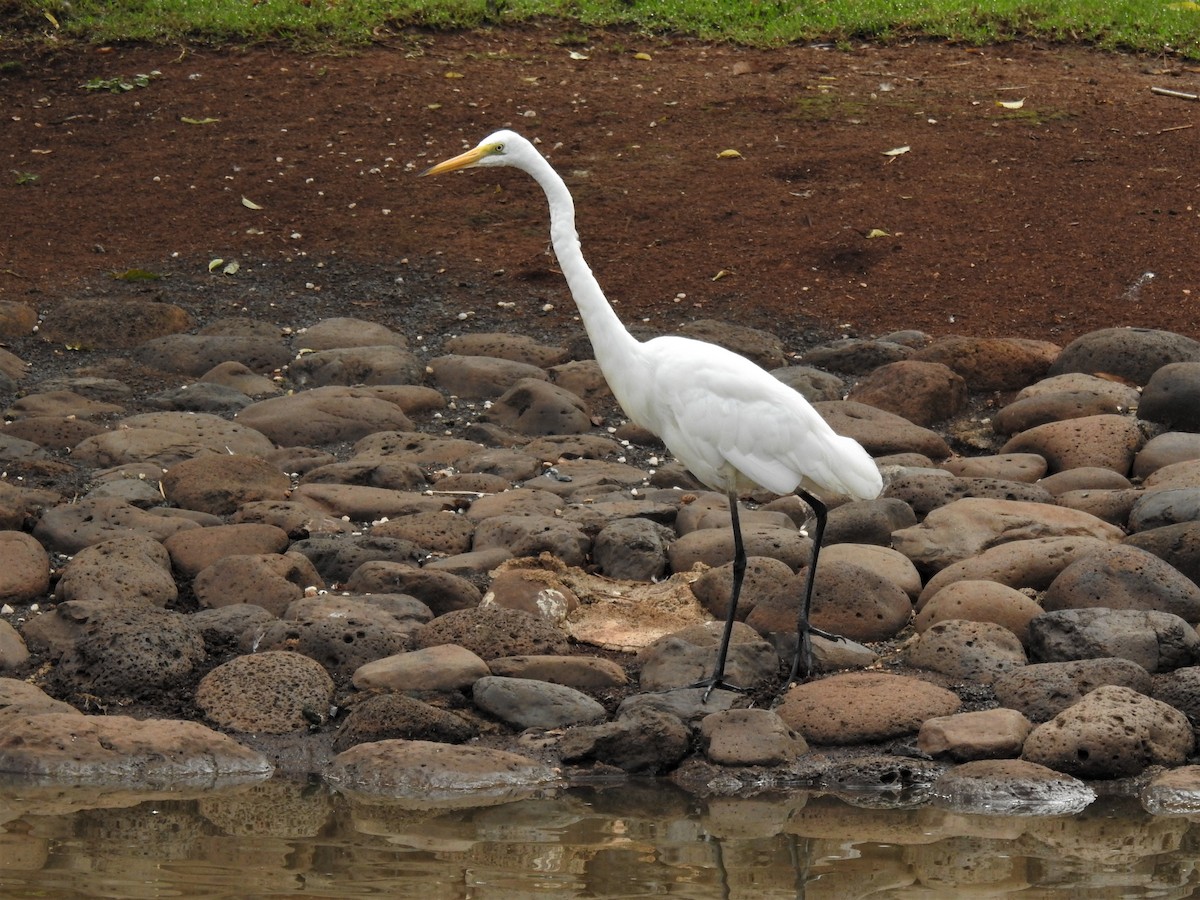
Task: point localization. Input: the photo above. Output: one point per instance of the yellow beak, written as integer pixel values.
(462, 161)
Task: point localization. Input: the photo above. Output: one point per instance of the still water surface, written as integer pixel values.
(281, 839)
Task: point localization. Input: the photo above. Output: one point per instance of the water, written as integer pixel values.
(635, 839)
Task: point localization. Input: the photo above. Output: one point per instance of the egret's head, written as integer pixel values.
(502, 148)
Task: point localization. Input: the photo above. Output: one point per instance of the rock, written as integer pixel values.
(926, 491)
(346, 331)
(195, 354)
(220, 484)
(223, 628)
(1024, 467)
(714, 546)
(991, 364)
(197, 549)
(269, 693)
(337, 557)
(1113, 732)
(1172, 396)
(811, 383)
(1165, 449)
(1084, 478)
(165, 438)
(760, 347)
(135, 569)
(1180, 689)
(69, 528)
(967, 527)
(13, 652)
(440, 532)
(393, 716)
(1042, 690)
(323, 415)
(152, 754)
(442, 592)
(236, 377)
(525, 703)
(980, 601)
(1124, 577)
(480, 377)
(763, 578)
(501, 345)
(535, 591)
(922, 392)
(860, 707)
(369, 365)
(856, 356)
(1133, 354)
(391, 474)
(685, 657)
(1178, 545)
(429, 772)
(108, 324)
(492, 632)
(585, 673)
(1173, 792)
(444, 667)
(1011, 786)
(532, 535)
(25, 575)
(885, 562)
(1106, 441)
(342, 634)
(1157, 641)
(987, 734)
(1168, 507)
(968, 651)
(848, 600)
(1042, 408)
(645, 741)
(881, 432)
(269, 580)
(1032, 563)
(867, 521)
(632, 549)
(129, 652)
(750, 737)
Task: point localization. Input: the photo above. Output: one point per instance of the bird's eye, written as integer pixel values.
(499, 148)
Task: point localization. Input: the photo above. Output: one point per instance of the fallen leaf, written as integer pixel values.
(250, 204)
(1011, 104)
(207, 120)
(729, 154)
(877, 233)
(231, 268)
(214, 264)
(721, 274)
(643, 56)
(453, 75)
(136, 275)
(575, 54)
(897, 151)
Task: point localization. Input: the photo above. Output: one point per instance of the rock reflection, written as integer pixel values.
(634, 839)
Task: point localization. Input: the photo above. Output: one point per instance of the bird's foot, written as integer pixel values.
(802, 665)
(716, 684)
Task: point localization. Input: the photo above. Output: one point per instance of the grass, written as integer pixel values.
(1153, 26)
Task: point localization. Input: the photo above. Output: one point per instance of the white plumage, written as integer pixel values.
(731, 423)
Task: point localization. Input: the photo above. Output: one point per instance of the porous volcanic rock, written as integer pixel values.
(271, 693)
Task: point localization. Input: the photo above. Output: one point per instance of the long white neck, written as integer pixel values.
(616, 349)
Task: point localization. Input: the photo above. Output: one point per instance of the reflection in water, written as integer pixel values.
(629, 840)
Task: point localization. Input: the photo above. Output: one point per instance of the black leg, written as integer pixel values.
(803, 629)
(739, 573)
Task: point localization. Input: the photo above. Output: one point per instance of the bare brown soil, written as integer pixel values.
(1040, 221)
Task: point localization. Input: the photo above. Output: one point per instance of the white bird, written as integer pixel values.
(730, 422)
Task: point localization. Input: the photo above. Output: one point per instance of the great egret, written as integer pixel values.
(730, 422)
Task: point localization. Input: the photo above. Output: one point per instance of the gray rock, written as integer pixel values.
(643, 741)
(200, 397)
(1180, 689)
(1177, 544)
(685, 657)
(856, 356)
(1133, 354)
(1113, 732)
(1124, 577)
(360, 503)
(1013, 787)
(714, 546)
(429, 772)
(926, 491)
(1109, 506)
(1156, 641)
(867, 521)
(534, 407)
(1042, 690)
(1167, 507)
(525, 703)
(633, 549)
(1165, 449)
(119, 750)
(812, 383)
(266, 693)
(346, 331)
(336, 557)
(233, 376)
(1172, 396)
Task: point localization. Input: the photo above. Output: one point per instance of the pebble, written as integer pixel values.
(343, 508)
